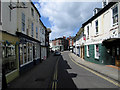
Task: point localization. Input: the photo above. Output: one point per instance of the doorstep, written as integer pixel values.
(118, 68)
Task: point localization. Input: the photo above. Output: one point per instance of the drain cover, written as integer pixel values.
(40, 79)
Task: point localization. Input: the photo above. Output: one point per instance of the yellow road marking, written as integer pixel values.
(54, 84)
(115, 83)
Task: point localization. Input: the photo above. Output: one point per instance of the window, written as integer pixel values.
(87, 32)
(115, 14)
(32, 12)
(23, 3)
(23, 22)
(9, 57)
(42, 31)
(36, 17)
(96, 51)
(88, 51)
(30, 52)
(25, 53)
(21, 54)
(96, 26)
(36, 32)
(0, 12)
(32, 29)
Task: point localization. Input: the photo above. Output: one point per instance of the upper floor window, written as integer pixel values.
(115, 14)
(36, 32)
(32, 29)
(36, 17)
(87, 32)
(0, 12)
(23, 3)
(23, 22)
(42, 31)
(32, 12)
(96, 26)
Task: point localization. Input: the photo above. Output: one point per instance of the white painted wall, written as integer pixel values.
(7, 25)
(104, 28)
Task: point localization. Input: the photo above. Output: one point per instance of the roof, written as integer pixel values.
(99, 13)
(35, 9)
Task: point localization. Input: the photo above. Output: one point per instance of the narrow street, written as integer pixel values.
(71, 75)
(60, 72)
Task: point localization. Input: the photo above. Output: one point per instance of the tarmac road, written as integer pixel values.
(69, 75)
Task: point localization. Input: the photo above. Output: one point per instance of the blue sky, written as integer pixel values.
(65, 18)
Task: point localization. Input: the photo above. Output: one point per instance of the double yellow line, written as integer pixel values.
(54, 84)
(111, 81)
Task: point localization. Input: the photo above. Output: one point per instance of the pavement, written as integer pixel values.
(39, 77)
(106, 70)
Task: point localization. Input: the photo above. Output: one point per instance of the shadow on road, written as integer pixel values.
(64, 77)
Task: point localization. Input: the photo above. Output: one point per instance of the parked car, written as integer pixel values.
(57, 53)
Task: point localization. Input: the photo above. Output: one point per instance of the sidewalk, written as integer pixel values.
(40, 76)
(103, 69)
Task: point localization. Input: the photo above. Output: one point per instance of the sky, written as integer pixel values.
(65, 17)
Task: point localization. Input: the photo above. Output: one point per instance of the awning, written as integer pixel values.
(21, 35)
(111, 41)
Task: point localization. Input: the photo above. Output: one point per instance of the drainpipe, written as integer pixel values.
(119, 18)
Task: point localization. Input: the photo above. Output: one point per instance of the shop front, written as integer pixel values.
(29, 52)
(10, 56)
(113, 48)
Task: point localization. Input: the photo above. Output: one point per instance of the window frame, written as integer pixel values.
(36, 32)
(96, 27)
(88, 32)
(32, 29)
(88, 50)
(116, 14)
(23, 23)
(32, 12)
(96, 52)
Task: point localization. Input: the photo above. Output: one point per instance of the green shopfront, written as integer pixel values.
(99, 54)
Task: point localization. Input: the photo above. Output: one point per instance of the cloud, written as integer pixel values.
(66, 17)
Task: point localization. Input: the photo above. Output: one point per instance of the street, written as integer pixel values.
(58, 72)
(71, 75)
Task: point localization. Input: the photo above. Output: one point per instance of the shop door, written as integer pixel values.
(117, 56)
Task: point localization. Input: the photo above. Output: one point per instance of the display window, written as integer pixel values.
(9, 57)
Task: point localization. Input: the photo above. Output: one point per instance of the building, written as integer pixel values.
(48, 31)
(60, 44)
(70, 43)
(23, 37)
(78, 45)
(102, 33)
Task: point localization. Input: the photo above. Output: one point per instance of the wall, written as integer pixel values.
(105, 58)
(9, 26)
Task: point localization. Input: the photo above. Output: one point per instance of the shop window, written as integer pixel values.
(88, 51)
(30, 52)
(96, 51)
(9, 58)
(21, 54)
(25, 53)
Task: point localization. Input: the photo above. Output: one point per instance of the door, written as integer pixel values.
(117, 56)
